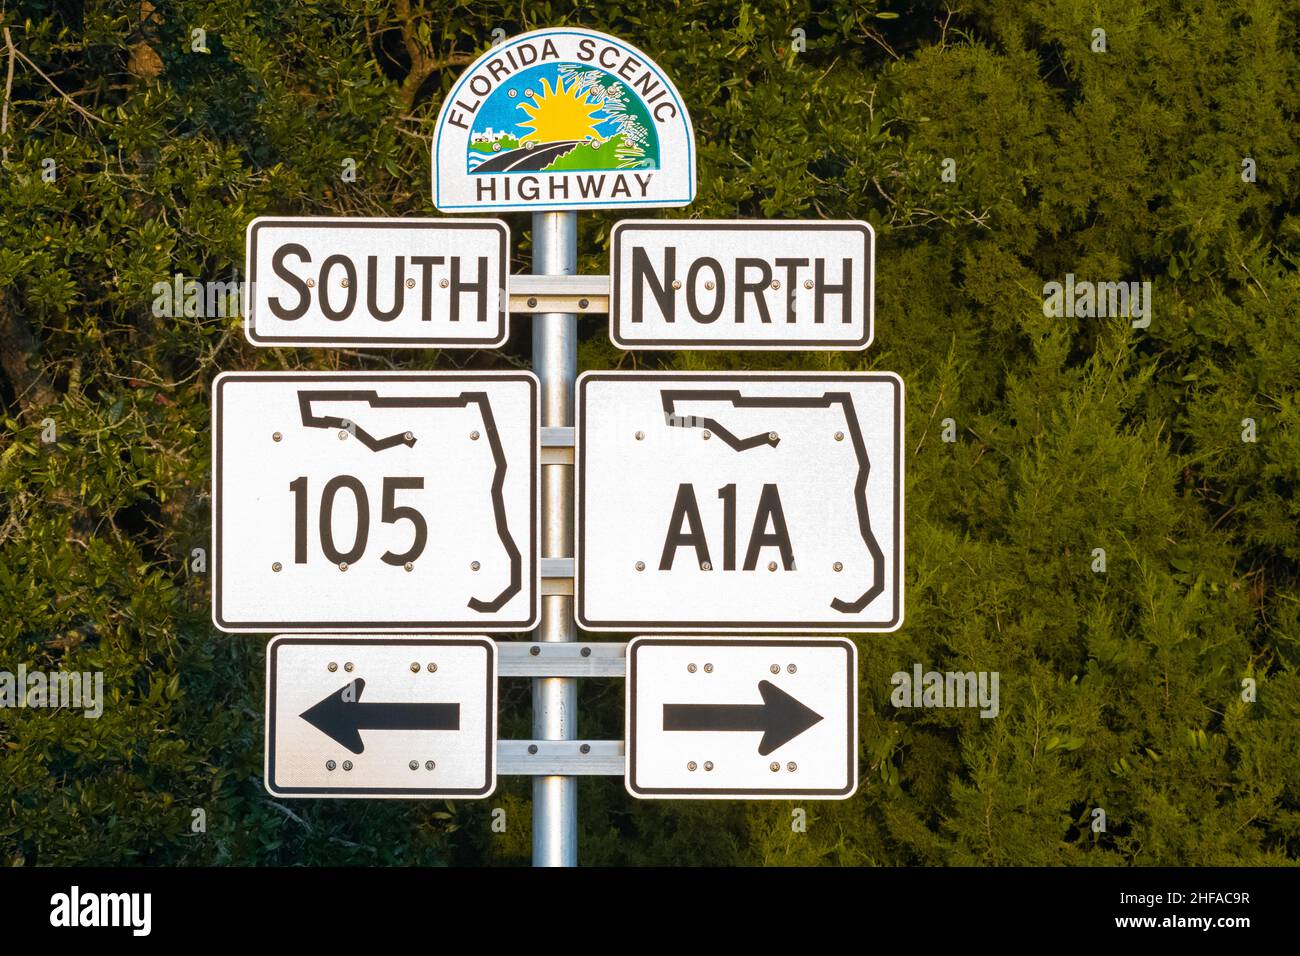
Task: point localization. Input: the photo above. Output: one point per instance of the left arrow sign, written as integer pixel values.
(342, 716)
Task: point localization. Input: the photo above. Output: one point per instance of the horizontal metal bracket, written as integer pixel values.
(557, 576)
(553, 659)
(561, 758)
(579, 295)
(557, 446)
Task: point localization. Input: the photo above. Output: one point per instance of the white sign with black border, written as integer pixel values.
(375, 501)
(364, 716)
(717, 718)
(742, 284)
(395, 283)
(748, 502)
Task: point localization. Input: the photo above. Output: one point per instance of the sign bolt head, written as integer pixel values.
(410, 283)
(640, 565)
(532, 748)
(344, 283)
(585, 652)
(776, 283)
(276, 567)
(706, 566)
(583, 303)
(792, 766)
(790, 668)
(839, 436)
(771, 565)
(474, 565)
(409, 436)
(276, 437)
(585, 748)
(443, 283)
(708, 765)
(677, 284)
(774, 766)
(415, 668)
(708, 284)
(691, 765)
(330, 765)
(807, 283)
(534, 650)
(532, 302)
(838, 566)
(775, 668)
(640, 436)
(343, 435)
(707, 434)
(333, 666)
(473, 436)
(343, 565)
(708, 668)
(347, 765)
(348, 667)
(409, 566)
(773, 436)
(429, 765)
(311, 283)
(690, 668)
(432, 668)
(414, 765)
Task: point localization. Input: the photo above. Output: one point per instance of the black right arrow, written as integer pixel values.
(342, 716)
(780, 717)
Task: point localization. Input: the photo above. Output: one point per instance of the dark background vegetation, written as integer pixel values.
(1119, 690)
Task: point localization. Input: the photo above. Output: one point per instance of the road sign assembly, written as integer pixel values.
(746, 502)
(380, 716)
(413, 283)
(742, 717)
(396, 501)
(563, 119)
(741, 284)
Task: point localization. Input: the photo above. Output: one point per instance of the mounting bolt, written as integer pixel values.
(585, 749)
(706, 566)
(775, 668)
(414, 765)
(532, 748)
(640, 565)
(708, 668)
(415, 668)
(344, 283)
(429, 765)
(792, 766)
(776, 283)
(707, 434)
(771, 565)
(534, 650)
(332, 667)
(311, 283)
(583, 303)
(774, 766)
(773, 437)
(532, 302)
(443, 283)
(330, 765)
(343, 565)
(640, 436)
(807, 283)
(708, 284)
(343, 435)
(585, 652)
(276, 437)
(708, 765)
(409, 566)
(473, 436)
(837, 566)
(347, 765)
(432, 668)
(277, 566)
(691, 668)
(790, 668)
(348, 667)
(410, 283)
(409, 436)
(691, 765)
(677, 284)
(474, 565)
(839, 436)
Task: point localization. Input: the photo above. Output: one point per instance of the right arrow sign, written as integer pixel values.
(717, 718)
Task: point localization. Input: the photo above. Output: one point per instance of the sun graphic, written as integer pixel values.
(560, 113)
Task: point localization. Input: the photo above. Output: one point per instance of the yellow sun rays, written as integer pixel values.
(560, 114)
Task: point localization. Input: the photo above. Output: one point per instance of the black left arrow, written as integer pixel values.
(780, 717)
(342, 716)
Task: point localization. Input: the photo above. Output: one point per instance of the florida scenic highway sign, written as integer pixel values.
(711, 718)
(745, 502)
(563, 119)
(380, 717)
(399, 283)
(761, 284)
(398, 501)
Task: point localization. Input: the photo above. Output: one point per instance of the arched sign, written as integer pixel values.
(563, 119)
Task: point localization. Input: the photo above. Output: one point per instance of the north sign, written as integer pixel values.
(399, 501)
(763, 284)
(746, 502)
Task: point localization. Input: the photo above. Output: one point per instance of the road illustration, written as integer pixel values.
(525, 159)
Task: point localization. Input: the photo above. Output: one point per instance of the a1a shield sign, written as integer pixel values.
(398, 501)
(563, 119)
(745, 502)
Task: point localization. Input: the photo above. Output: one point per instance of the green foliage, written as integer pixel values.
(1120, 691)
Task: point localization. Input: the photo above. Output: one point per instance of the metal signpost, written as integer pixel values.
(704, 284)
(381, 717)
(374, 511)
(749, 502)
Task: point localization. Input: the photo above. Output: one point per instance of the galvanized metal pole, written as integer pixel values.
(555, 699)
